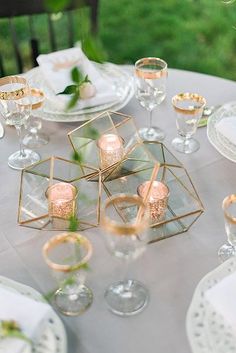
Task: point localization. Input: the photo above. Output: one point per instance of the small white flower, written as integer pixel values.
(87, 90)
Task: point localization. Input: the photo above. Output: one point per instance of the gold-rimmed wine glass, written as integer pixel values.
(151, 77)
(125, 220)
(67, 255)
(15, 106)
(228, 249)
(188, 108)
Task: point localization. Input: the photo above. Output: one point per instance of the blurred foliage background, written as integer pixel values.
(196, 35)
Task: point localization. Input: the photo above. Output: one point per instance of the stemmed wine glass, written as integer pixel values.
(188, 108)
(34, 137)
(151, 76)
(125, 220)
(15, 106)
(229, 208)
(67, 254)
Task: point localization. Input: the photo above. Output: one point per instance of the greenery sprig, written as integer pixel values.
(11, 329)
(74, 90)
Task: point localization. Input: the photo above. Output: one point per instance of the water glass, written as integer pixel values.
(125, 220)
(188, 108)
(229, 208)
(67, 255)
(151, 76)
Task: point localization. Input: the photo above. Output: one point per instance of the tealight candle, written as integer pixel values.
(158, 198)
(61, 200)
(111, 149)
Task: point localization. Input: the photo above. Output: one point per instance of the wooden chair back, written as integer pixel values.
(10, 10)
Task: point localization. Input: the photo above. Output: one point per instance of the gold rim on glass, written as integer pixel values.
(60, 239)
(159, 68)
(16, 94)
(229, 200)
(188, 96)
(128, 228)
(35, 92)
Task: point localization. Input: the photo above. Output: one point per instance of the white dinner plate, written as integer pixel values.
(121, 82)
(53, 338)
(221, 143)
(206, 329)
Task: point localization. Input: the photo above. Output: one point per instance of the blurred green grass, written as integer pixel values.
(196, 35)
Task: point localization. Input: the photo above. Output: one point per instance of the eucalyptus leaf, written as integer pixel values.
(69, 89)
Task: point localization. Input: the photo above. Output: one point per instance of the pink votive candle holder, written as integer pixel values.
(157, 200)
(111, 149)
(61, 200)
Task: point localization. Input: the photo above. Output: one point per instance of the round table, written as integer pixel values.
(170, 268)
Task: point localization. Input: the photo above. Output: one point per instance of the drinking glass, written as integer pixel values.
(67, 254)
(188, 108)
(229, 208)
(15, 106)
(151, 75)
(125, 220)
(35, 138)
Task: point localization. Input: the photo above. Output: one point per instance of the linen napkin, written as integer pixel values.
(29, 315)
(56, 67)
(227, 127)
(222, 299)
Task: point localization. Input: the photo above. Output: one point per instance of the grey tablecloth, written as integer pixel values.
(170, 269)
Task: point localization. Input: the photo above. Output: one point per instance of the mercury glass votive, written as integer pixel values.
(111, 149)
(158, 199)
(61, 200)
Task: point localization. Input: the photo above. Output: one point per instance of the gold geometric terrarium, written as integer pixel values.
(184, 205)
(38, 210)
(86, 139)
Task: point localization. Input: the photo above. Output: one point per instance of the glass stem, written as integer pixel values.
(186, 139)
(150, 119)
(19, 133)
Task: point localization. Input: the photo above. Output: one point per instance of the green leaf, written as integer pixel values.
(74, 223)
(92, 133)
(69, 90)
(77, 157)
(74, 99)
(94, 49)
(76, 75)
(56, 5)
(86, 79)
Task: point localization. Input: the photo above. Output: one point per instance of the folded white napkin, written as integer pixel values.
(222, 299)
(29, 314)
(227, 127)
(56, 67)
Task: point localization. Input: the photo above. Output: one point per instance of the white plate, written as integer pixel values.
(121, 81)
(206, 330)
(53, 339)
(221, 143)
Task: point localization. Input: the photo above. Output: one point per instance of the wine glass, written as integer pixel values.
(151, 75)
(35, 138)
(67, 254)
(229, 208)
(188, 108)
(15, 106)
(125, 220)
